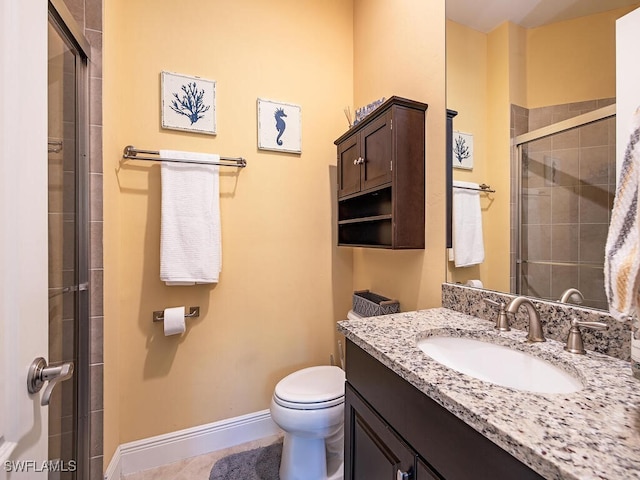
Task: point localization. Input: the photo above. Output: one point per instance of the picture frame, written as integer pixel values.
(188, 103)
(462, 146)
(279, 126)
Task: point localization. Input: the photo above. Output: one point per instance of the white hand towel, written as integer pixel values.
(468, 245)
(190, 241)
(622, 251)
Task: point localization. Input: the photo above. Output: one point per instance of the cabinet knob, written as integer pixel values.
(356, 161)
(400, 475)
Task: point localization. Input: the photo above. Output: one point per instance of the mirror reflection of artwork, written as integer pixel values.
(279, 126)
(462, 150)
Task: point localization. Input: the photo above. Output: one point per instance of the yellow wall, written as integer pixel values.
(582, 66)
(480, 81)
(399, 50)
(114, 55)
(467, 93)
(284, 283)
(503, 48)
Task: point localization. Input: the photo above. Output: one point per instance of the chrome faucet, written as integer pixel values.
(571, 294)
(535, 327)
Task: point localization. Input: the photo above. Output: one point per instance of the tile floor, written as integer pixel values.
(198, 468)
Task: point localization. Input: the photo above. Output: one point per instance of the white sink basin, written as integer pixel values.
(499, 364)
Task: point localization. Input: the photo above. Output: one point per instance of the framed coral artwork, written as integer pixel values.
(279, 126)
(188, 103)
(462, 150)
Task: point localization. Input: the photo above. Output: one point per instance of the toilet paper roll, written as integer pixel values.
(174, 321)
(475, 283)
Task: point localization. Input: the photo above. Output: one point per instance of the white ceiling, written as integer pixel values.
(485, 15)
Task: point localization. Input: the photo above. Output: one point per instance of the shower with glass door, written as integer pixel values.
(564, 189)
(68, 443)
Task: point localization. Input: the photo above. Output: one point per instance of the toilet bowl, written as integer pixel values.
(308, 405)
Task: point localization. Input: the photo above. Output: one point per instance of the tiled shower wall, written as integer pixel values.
(568, 183)
(88, 15)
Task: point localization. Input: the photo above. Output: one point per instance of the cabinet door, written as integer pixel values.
(372, 449)
(424, 472)
(376, 150)
(348, 166)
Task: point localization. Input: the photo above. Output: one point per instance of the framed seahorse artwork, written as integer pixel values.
(279, 126)
(188, 103)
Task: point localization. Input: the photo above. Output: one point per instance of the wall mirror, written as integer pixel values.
(534, 90)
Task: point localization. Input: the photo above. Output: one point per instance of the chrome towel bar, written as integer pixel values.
(131, 153)
(483, 188)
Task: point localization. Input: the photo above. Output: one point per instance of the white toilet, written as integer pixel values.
(309, 406)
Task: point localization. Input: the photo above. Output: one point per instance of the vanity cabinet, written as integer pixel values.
(392, 428)
(375, 451)
(381, 178)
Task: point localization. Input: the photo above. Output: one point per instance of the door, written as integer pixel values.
(372, 450)
(42, 248)
(68, 259)
(349, 166)
(23, 235)
(376, 150)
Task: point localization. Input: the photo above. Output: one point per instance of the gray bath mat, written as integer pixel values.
(259, 464)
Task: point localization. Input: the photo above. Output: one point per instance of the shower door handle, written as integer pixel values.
(39, 373)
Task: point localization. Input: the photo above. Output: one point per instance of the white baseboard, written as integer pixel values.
(172, 447)
(114, 469)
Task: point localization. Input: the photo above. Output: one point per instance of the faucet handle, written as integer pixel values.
(574, 339)
(502, 322)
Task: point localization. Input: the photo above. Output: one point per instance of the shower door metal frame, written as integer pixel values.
(62, 20)
(518, 142)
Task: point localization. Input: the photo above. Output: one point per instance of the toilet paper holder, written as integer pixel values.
(158, 315)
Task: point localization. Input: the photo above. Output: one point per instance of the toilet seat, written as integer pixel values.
(311, 388)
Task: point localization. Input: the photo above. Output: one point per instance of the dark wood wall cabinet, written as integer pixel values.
(381, 178)
(449, 176)
(393, 431)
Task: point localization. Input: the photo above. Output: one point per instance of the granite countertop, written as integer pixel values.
(593, 433)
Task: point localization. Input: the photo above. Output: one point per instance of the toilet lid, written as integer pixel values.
(321, 387)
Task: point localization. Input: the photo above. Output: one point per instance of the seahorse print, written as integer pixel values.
(280, 124)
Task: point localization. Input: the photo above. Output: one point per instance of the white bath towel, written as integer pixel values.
(190, 241)
(468, 245)
(622, 251)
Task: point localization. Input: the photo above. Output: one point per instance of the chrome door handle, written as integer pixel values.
(39, 373)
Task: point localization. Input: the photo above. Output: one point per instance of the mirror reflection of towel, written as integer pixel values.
(468, 245)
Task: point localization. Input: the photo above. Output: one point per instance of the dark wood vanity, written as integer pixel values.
(395, 432)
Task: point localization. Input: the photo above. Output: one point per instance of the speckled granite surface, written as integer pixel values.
(615, 341)
(590, 434)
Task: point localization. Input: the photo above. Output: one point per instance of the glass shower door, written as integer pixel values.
(567, 187)
(68, 302)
